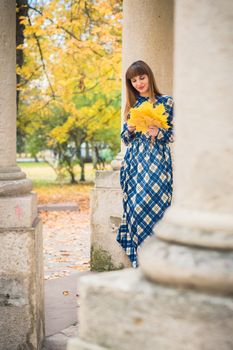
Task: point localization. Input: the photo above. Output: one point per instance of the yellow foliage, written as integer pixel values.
(81, 68)
(146, 115)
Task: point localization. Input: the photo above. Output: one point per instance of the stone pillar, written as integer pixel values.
(21, 250)
(204, 129)
(147, 36)
(201, 214)
(154, 17)
(194, 245)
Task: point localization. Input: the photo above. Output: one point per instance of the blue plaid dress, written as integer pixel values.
(146, 181)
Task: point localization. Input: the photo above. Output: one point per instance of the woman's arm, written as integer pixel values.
(166, 135)
(126, 135)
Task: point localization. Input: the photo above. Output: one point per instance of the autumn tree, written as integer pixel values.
(71, 77)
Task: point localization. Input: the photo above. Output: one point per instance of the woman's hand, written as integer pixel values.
(153, 131)
(131, 128)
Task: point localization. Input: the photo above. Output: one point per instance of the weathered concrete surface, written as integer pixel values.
(125, 311)
(59, 340)
(203, 229)
(61, 310)
(21, 248)
(61, 303)
(106, 213)
(7, 85)
(107, 179)
(21, 288)
(12, 180)
(180, 265)
(70, 206)
(20, 211)
(80, 344)
(203, 180)
(197, 230)
(198, 148)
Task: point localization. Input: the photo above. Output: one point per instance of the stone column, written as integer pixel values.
(194, 245)
(147, 36)
(21, 251)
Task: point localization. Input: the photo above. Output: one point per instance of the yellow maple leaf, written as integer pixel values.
(146, 115)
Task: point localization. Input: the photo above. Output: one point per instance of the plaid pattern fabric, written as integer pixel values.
(146, 181)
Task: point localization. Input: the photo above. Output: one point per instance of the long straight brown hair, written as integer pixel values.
(138, 68)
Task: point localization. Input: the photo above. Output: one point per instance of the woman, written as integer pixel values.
(146, 172)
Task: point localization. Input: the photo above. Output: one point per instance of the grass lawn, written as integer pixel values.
(41, 173)
(49, 190)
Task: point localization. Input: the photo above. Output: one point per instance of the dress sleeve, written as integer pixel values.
(127, 136)
(166, 135)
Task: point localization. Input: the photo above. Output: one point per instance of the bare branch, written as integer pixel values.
(25, 81)
(42, 58)
(57, 25)
(66, 31)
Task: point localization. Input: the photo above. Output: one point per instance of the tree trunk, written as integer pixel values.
(93, 156)
(82, 165)
(70, 169)
(81, 161)
(72, 176)
(87, 150)
(22, 5)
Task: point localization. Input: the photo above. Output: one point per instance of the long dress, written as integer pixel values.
(146, 181)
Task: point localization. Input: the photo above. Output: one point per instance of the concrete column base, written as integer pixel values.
(123, 310)
(21, 288)
(106, 214)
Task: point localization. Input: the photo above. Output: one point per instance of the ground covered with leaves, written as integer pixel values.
(66, 234)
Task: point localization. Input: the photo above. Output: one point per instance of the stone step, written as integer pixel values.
(70, 206)
(122, 310)
(61, 303)
(59, 340)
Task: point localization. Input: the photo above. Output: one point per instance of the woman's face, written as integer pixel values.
(141, 84)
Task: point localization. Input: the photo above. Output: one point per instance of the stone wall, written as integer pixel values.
(106, 213)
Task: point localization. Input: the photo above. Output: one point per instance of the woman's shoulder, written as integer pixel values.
(166, 99)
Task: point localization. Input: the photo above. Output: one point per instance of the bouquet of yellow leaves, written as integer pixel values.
(146, 115)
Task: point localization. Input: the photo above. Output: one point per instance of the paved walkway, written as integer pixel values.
(66, 236)
(66, 242)
(61, 310)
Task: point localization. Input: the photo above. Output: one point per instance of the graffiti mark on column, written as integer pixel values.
(19, 211)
